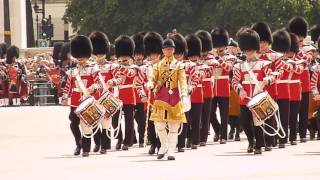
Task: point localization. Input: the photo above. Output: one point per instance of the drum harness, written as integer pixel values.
(86, 94)
(277, 115)
(111, 129)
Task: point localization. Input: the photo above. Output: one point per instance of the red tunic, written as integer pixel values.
(241, 78)
(107, 71)
(221, 76)
(88, 75)
(275, 66)
(315, 82)
(194, 76)
(124, 79)
(305, 76)
(207, 83)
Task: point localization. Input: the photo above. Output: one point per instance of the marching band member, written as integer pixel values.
(267, 54)
(169, 84)
(234, 100)
(220, 39)
(124, 78)
(243, 84)
(16, 74)
(152, 42)
(299, 26)
(81, 49)
(195, 72)
(207, 85)
(315, 85)
(100, 43)
(281, 44)
(315, 34)
(314, 125)
(295, 86)
(179, 53)
(140, 114)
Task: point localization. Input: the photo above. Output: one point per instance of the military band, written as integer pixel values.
(174, 88)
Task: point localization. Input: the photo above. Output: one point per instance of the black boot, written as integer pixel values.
(216, 138)
(103, 151)
(231, 134)
(86, 145)
(97, 140)
(250, 148)
(118, 145)
(152, 149)
(77, 151)
(257, 151)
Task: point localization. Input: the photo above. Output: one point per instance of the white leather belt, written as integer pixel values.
(221, 77)
(288, 81)
(248, 82)
(126, 86)
(199, 85)
(76, 90)
(207, 79)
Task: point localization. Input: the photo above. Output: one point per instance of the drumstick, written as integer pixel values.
(147, 120)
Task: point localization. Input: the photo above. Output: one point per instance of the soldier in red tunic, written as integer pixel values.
(315, 86)
(141, 97)
(281, 44)
(299, 26)
(195, 72)
(207, 85)
(246, 88)
(81, 49)
(266, 53)
(100, 43)
(220, 39)
(295, 87)
(153, 49)
(124, 78)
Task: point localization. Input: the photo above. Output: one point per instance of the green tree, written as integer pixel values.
(117, 17)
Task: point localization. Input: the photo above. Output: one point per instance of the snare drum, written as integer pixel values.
(110, 103)
(262, 106)
(90, 112)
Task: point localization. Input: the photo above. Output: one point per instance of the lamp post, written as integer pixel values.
(39, 10)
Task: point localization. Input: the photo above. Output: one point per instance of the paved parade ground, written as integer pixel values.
(35, 143)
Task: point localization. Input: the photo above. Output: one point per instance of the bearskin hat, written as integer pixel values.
(81, 47)
(220, 37)
(100, 42)
(315, 33)
(56, 50)
(281, 41)
(180, 43)
(194, 45)
(264, 31)
(206, 40)
(152, 43)
(3, 50)
(138, 42)
(12, 51)
(249, 40)
(124, 46)
(294, 43)
(299, 26)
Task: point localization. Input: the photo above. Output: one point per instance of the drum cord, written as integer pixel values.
(91, 135)
(115, 130)
(276, 131)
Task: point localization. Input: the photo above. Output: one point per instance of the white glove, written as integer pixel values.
(150, 85)
(186, 103)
